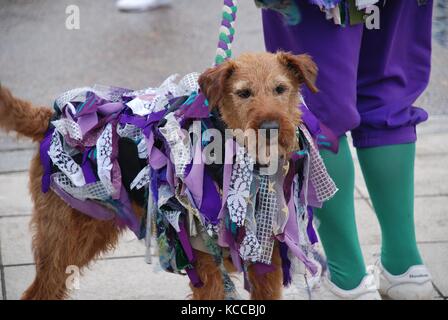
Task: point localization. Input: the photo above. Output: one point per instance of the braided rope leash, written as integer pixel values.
(226, 31)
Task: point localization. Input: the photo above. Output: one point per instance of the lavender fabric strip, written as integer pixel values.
(88, 207)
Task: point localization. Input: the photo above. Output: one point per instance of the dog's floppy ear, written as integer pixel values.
(212, 82)
(302, 66)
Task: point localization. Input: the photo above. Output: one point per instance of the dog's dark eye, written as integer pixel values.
(244, 94)
(280, 89)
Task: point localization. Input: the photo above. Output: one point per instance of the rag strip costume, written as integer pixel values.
(108, 147)
(368, 82)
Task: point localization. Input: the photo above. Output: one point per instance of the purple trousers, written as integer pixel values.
(368, 79)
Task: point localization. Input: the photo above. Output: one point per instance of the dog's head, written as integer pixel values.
(261, 91)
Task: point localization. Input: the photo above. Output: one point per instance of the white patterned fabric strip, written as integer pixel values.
(104, 161)
(139, 106)
(187, 85)
(64, 162)
(179, 143)
(142, 179)
(142, 149)
(173, 218)
(68, 96)
(68, 127)
(239, 188)
(264, 215)
(130, 131)
(250, 249)
(95, 191)
(301, 213)
(323, 184)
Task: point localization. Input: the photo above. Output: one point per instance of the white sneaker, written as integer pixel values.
(366, 290)
(414, 284)
(141, 5)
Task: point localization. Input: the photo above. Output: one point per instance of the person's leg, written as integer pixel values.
(393, 71)
(335, 50)
(336, 221)
(389, 175)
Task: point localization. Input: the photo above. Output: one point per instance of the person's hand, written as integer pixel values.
(288, 8)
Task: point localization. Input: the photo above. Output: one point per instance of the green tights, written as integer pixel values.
(389, 175)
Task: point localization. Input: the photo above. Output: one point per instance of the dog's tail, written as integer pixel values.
(22, 117)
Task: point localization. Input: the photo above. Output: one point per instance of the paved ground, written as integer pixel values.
(39, 59)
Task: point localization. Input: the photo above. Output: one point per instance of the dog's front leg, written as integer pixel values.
(269, 285)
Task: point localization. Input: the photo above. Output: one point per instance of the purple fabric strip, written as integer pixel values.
(194, 278)
(90, 105)
(291, 237)
(228, 165)
(297, 251)
(183, 238)
(286, 264)
(86, 167)
(110, 108)
(263, 268)
(194, 178)
(211, 201)
(135, 120)
(45, 160)
(197, 109)
(311, 232)
(127, 214)
(156, 158)
(184, 241)
(87, 122)
(323, 135)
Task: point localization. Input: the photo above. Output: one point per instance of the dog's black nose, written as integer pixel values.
(270, 129)
(270, 125)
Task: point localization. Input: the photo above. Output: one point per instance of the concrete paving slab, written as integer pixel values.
(16, 242)
(16, 160)
(125, 279)
(431, 221)
(116, 279)
(14, 196)
(12, 142)
(435, 256)
(144, 50)
(434, 143)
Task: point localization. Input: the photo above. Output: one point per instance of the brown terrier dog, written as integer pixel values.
(254, 91)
